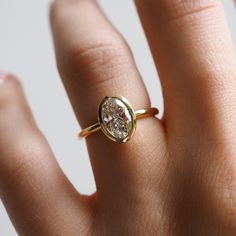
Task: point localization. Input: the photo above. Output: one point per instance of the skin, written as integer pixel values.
(177, 176)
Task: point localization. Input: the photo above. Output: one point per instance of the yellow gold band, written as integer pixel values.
(139, 114)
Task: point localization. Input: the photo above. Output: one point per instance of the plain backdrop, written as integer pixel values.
(26, 49)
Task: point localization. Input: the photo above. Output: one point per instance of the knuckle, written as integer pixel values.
(169, 10)
(99, 61)
(95, 55)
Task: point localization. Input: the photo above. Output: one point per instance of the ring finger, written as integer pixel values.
(95, 61)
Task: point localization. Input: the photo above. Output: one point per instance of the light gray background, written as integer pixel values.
(26, 49)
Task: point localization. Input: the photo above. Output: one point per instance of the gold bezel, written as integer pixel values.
(132, 114)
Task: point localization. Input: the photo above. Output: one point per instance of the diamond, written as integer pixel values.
(117, 118)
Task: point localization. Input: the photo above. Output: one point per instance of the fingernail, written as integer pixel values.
(3, 77)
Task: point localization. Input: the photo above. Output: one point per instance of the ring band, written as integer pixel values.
(117, 119)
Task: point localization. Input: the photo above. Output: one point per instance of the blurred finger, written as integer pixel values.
(38, 197)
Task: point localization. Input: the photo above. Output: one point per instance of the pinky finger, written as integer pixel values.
(38, 197)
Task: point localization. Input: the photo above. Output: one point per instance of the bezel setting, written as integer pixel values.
(117, 118)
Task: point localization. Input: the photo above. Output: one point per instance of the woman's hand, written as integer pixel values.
(177, 176)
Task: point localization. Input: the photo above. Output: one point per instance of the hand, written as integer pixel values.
(177, 176)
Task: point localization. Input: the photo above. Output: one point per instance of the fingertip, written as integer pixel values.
(3, 77)
(7, 77)
(10, 88)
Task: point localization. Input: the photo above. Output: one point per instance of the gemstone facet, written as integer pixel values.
(117, 118)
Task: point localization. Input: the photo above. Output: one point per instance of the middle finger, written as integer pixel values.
(193, 50)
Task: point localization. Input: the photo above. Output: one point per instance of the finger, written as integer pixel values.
(94, 56)
(192, 48)
(36, 194)
(95, 61)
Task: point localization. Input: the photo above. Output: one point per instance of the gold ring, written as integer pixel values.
(117, 119)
